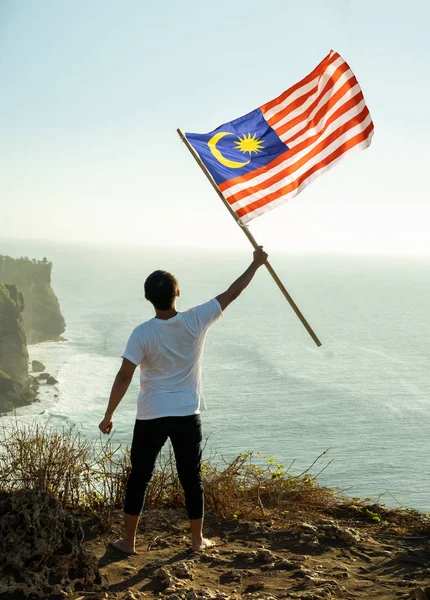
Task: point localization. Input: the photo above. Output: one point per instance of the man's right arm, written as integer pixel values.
(236, 288)
(119, 388)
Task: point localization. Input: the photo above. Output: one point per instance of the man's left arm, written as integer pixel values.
(119, 388)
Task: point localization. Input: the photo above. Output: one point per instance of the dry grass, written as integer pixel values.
(80, 473)
(83, 474)
(91, 476)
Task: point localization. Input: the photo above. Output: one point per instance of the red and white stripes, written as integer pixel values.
(321, 119)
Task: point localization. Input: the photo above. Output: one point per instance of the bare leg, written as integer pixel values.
(127, 543)
(198, 542)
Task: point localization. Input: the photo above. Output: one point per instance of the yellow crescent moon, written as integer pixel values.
(232, 164)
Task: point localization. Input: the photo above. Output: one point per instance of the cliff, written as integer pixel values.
(42, 316)
(277, 535)
(16, 387)
(13, 348)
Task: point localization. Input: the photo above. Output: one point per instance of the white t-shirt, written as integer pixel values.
(170, 354)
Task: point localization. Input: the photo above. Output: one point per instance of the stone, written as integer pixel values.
(168, 580)
(232, 575)
(43, 376)
(257, 586)
(182, 570)
(37, 366)
(162, 573)
(265, 556)
(14, 394)
(249, 557)
(307, 528)
(44, 546)
(333, 530)
(205, 594)
(286, 565)
(347, 534)
(51, 380)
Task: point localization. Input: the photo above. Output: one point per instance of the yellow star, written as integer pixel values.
(249, 144)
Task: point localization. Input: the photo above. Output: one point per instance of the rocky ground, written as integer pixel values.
(311, 559)
(342, 552)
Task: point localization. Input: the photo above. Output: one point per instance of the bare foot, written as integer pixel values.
(202, 544)
(124, 545)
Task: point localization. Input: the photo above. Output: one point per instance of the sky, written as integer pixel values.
(92, 94)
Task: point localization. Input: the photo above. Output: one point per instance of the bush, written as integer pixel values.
(92, 476)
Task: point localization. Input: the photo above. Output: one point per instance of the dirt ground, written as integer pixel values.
(323, 557)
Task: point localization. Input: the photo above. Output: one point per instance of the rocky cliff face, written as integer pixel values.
(42, 316)
(16, 387)
(13, 347)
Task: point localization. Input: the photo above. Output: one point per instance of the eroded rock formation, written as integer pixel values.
(41, 547)
(16, 387)
(13, 347)
(42, 315)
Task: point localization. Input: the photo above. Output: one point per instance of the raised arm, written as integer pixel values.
(119, 388)
(240, 284)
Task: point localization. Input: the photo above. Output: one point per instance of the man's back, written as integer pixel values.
(170, 352)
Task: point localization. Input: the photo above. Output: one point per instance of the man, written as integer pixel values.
(169, 350)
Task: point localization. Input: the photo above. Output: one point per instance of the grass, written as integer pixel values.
(91, 476)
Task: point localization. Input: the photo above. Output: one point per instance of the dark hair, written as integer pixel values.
(161, 288)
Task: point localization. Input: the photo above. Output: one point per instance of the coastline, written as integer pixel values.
(55, 355)
(47, 394)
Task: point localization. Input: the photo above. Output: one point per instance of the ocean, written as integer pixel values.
(364, 395)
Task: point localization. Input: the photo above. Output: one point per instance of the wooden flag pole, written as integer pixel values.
(250, 238)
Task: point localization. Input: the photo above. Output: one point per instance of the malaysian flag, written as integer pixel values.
(261, 160)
